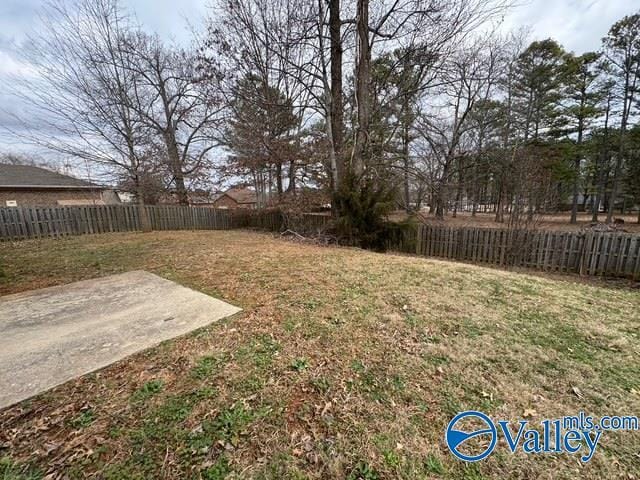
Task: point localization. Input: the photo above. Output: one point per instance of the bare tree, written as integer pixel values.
(446, 127)
(176, 103)
(257, 40)
(80, 101)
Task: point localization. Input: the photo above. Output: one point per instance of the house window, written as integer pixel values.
(12, 203)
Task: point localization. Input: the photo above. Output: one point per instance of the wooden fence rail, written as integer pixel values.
(586, 253)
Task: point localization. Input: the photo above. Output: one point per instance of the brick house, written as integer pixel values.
(236, 197)
(28, 186)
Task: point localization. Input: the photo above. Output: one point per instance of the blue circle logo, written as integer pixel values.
(482, 427)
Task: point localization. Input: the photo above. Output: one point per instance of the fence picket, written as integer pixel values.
(590, 253)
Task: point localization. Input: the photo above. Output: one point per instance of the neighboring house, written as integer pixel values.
(197, 198)
(125, 197)
(28, 186)
(201, 198)
(236, 197)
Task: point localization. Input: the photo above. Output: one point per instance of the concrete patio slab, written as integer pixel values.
(52, 335)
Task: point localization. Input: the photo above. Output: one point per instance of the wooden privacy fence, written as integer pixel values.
(588, 253)
(19, 223)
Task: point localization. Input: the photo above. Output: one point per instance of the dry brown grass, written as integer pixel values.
(344, 362)
(555, 222)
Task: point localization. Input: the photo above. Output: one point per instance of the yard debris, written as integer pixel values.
(604, 227)
(576, 391)
(291, 232)
(487, 395)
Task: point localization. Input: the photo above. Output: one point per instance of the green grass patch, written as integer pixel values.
(206, 366)
(259, 352)
(83, 419)
(148, 390)
(433, 465)
(299, 364)
(12, 471)
(218, 471)
(363, 471)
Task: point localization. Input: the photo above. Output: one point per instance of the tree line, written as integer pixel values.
(380, 104)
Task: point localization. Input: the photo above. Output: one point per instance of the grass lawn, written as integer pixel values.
(344, 364)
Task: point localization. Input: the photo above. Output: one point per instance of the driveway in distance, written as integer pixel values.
(52, 335)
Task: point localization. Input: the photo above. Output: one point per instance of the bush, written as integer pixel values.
(402, 236)
(361, 208)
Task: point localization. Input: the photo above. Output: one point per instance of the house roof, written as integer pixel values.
(27, 176)
(242, 195)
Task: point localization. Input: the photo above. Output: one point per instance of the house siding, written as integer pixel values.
(225, 201)
(49, 197)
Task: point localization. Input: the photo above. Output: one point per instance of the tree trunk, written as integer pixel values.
(279, 180)
(405, 158)
(576, 191)
(176, 167)
(626, 105)
(337, 113)
(459, 188)
(439, 200)
(499, 213)
(576, 163)
(576, 173)
(145, 223)
(531, 203)
(440, 197)
(291, 188)
(585, 199)
(181, 189)
(407, 194)
(600, 166)
(475, 189)
(363, 72)
(616, 179)
(595, 206)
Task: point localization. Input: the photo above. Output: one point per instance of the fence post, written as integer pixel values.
(586, 246)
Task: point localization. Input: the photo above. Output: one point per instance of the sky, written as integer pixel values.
(578, 25)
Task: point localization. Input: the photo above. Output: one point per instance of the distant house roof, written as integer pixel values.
(26, 176)
(242, 195)
(201, 197)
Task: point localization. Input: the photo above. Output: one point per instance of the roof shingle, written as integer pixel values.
(242, 195)
(25, 176)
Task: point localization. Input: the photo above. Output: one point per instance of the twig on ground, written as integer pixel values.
(294, 233)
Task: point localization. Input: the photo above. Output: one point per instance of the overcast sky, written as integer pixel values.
(577, 24)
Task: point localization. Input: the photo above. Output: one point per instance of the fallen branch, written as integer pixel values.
(294, 233)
